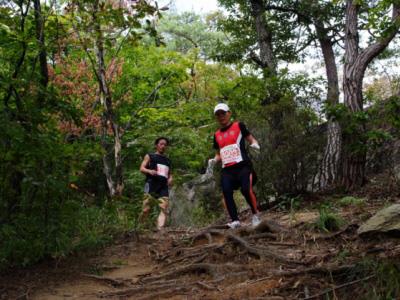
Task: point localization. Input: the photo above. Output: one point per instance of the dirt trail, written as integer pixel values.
(284, 257)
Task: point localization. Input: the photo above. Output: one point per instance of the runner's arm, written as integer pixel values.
(217, 156)
(253, 142)
(145, 163)
(215, 159)
(170, 180)
(251, 139)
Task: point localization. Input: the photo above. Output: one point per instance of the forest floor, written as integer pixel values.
(285, 257)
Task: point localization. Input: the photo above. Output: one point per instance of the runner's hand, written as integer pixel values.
(212, 162)
(153, 172)
(255, 147)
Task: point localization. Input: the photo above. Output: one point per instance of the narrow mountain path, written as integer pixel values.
(285, 257)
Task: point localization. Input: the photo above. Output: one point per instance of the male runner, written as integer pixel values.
(237, 170)
(157, 168)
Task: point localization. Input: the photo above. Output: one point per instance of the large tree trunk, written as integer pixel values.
(329, 166)
(355, 64)
(264, 37)
(354, 150)
(267, 62)
(108, 120)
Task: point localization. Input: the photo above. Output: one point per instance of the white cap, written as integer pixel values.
(221, 106)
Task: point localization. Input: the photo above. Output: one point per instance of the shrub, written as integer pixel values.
(328, 221)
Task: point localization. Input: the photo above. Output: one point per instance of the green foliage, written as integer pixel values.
(187, 31)
(343, 255)
(385, 282)
(201, 216)
(290, 143)
(288, 202)
(27, 239)
(328, 221)
(392, 112)
(351, 201)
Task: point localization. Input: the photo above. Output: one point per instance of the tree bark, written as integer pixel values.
(266, 61)
(329, 166)
(44, 73)
(264, 37)
(355, 64)
(115, 186)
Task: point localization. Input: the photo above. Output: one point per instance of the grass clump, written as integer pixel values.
(328, 221)
(351, 201)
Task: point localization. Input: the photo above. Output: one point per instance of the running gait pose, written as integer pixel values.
(157, 168)
(237, 170)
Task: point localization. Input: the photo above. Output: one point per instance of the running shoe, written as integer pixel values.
(234, 224)
(255, 220)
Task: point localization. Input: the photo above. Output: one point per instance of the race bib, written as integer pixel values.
(162, 170)
(230, 154)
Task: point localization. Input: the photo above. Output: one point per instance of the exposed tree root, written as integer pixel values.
(263, 235)
(207, 234)
(186, 257)
(182, 290)
(270, 226)
(217, 271)
(107, 280)
(136, 290)
(216, 226)
(327, 270)
(282, 244)
(207, 286)
(334, 234)
(210, 269)
(261, 252)
(199, 249)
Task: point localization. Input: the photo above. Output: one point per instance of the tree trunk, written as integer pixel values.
(264, 38)
(355, 64)
(115, 186)
(329, 166)
(267, 62)
(44, 73)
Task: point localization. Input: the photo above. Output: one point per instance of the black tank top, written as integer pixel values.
(161, 164)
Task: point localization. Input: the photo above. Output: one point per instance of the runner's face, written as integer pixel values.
(161, 146)
(223, 117)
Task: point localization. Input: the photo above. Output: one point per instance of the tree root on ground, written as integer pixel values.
(107, 280)
(184, 258)
(334, 234)
(207, 234)
(210, 269)
(269, 226)
(327, 270)
(183, 290)
(263, 235)
(160, 285)
(261, 252)
(136, 290)
(216, 271)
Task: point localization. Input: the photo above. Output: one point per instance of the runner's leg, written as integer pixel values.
(246, 183)
(227, 190)
(145, 207)
(162, 217)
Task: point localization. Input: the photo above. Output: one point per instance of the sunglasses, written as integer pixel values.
(220, 113)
